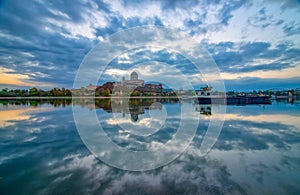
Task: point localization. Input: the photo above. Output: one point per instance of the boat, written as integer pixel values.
(204, 96)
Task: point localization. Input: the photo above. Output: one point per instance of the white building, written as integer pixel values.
(134, 81)
(128, 85)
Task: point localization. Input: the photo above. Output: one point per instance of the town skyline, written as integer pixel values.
(102, 83)
(134, 86)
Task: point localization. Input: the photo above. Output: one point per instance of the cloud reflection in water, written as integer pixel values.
(254, 154)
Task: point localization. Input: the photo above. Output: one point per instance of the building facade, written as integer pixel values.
(134, 81)
(126, 87)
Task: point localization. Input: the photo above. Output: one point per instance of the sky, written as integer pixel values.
(255, 44)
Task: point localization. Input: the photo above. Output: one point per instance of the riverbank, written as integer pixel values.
(91, 97)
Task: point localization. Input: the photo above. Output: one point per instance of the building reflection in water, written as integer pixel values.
(204, 109)
(134, 107)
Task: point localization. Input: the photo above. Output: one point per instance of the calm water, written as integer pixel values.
(41, 152)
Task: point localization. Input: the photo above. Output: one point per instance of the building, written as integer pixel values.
(128, 86)
(152, 89)
(153, 86)
(204, 91)
(91, 87)
(134, 81)
(137, 87)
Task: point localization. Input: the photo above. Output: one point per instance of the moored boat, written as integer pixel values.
(204, 96)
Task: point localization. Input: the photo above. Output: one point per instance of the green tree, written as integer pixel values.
(56, 92)
(106, 93)
(63, 91)
(136, 93)
(33, 92)
(68, 93)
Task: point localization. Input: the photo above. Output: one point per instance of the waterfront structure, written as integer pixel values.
(204, 96)
(204, 109)
(204, 92)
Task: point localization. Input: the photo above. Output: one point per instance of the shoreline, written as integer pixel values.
(90, 97)
(126, 97)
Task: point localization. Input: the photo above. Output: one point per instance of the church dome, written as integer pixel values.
(134, 76)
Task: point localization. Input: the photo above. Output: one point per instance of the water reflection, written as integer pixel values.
(10, 117)
(19, 109)
(40, 151)
(9, 103)
(204, 109)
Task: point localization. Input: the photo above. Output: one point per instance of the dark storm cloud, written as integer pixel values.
(144, 55)
(232, 57)
(26, 28)
(38, 37)
(55, 57)
(250, 83)
(58, 58)
(29, 18)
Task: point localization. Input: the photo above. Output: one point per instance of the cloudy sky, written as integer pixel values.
(256, 45)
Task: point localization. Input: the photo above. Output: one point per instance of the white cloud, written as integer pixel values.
(142, 10)
(92, 19)
(277, 23)
(114, 72)
(245, 29)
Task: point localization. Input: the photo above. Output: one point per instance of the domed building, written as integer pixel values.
(134, 81)
(134, 76)
(128, 85)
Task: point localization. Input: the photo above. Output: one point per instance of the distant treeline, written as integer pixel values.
(106, 92)
(34, 92)
(104, 104)
(292, 92)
